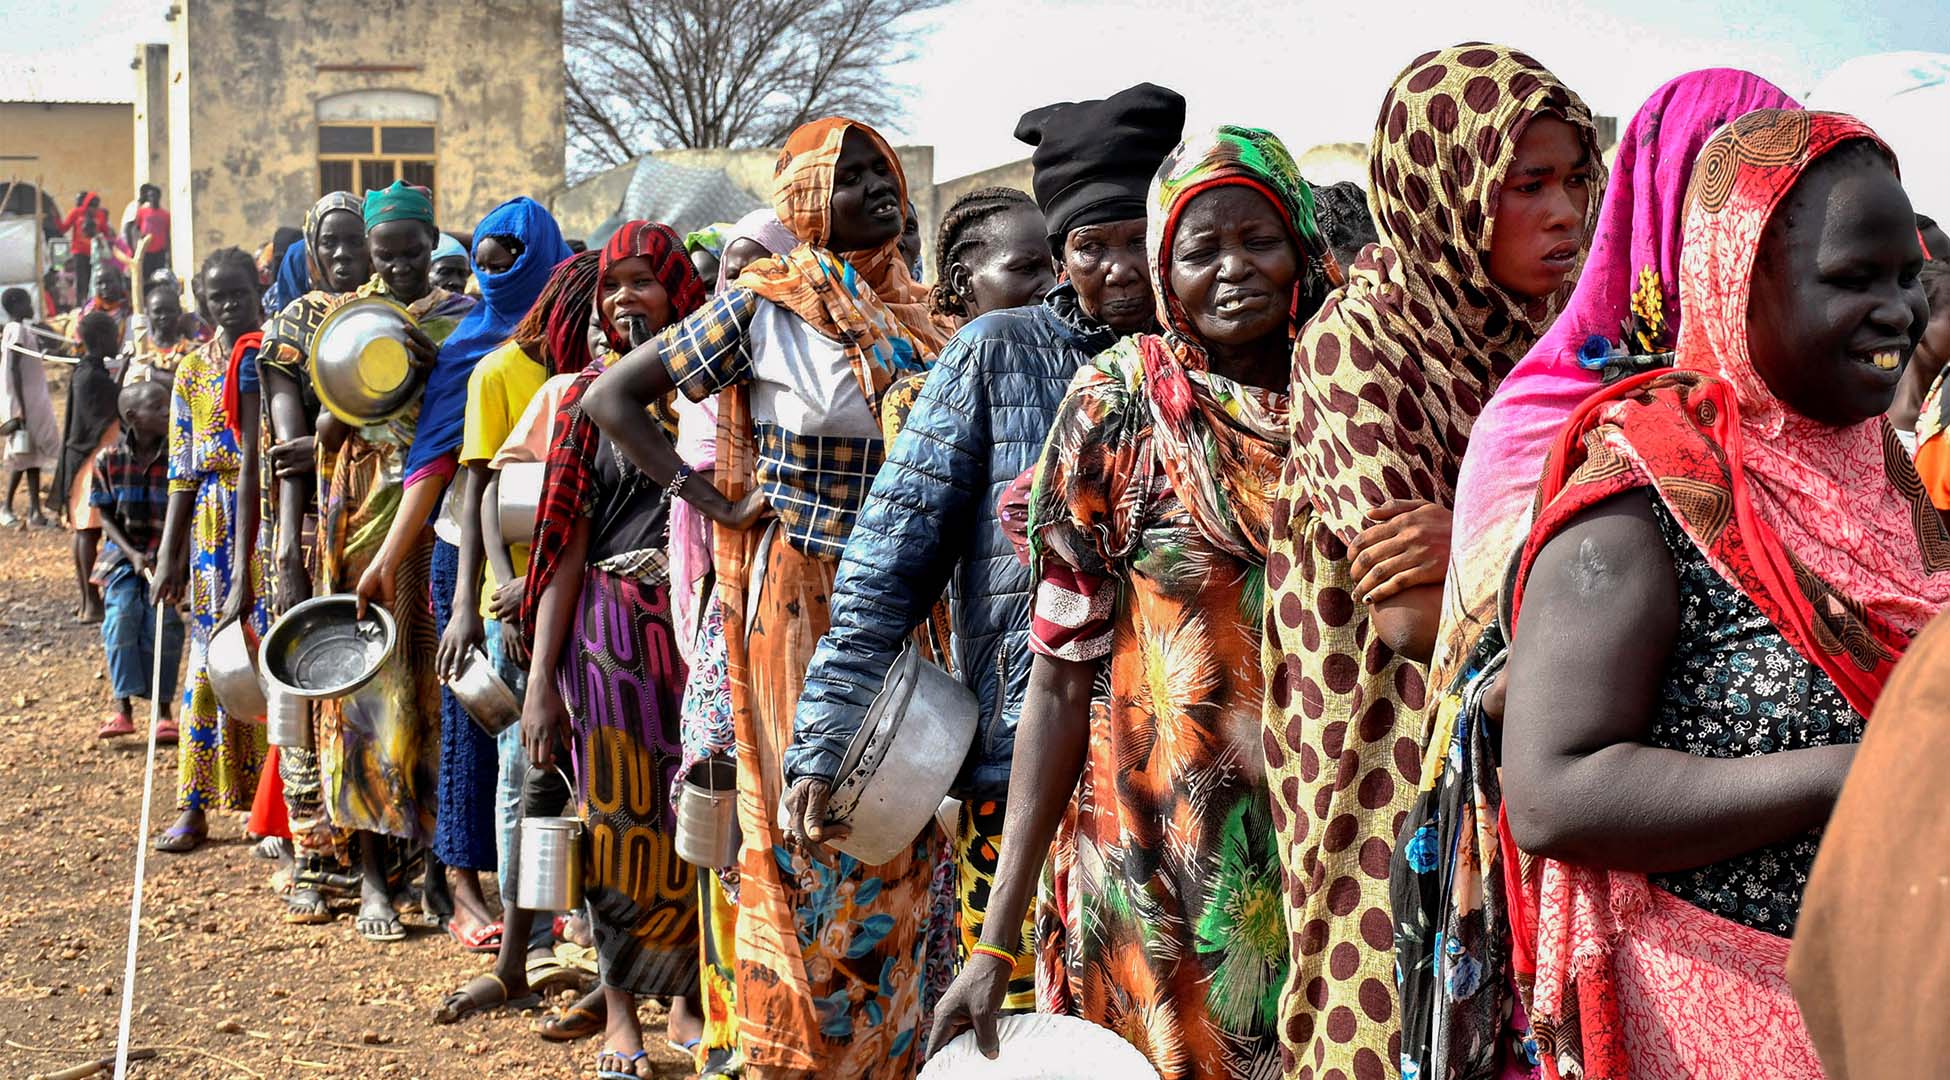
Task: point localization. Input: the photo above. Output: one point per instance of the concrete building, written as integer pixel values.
(67, 135)
(272, 103)
(151, 120)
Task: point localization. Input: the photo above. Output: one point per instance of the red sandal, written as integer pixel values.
(116, 726)
(485, 939)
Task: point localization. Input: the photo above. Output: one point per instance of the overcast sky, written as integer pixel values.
(1313, 72)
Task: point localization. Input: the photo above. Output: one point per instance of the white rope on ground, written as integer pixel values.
(141, 846)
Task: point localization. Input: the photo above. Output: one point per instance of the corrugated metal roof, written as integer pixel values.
(82, 84)
(685, 197)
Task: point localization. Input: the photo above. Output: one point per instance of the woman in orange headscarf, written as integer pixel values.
(829, 953)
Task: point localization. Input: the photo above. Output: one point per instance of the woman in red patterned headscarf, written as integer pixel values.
(1727, 561)
(604, 677)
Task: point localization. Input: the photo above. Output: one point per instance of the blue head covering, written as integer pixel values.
(292, 282)
(505, 298)
(447, 248)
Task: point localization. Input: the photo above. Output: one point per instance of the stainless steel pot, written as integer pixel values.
(233, 671)
(481, 692)
(548, 862)
(518, 498)
(287, 720)
(707, 815)
(320, 651)
(900, 764)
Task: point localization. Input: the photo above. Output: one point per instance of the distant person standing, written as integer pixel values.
(152, 229)
(32, 435)
(82, 224)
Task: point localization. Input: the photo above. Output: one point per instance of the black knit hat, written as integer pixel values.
(1094, 159)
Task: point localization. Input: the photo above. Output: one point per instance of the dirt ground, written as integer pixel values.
(223, 984)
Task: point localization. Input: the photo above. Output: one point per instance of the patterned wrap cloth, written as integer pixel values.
(1826, 529)
(379, 766)
(1388, 379)
(828, 954)
(1148, 523)
(1445, 880)
(1626, 302)
(220, 755)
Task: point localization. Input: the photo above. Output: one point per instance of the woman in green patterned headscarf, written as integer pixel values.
(1149, 526)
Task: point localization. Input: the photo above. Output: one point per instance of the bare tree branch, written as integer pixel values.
(732, 73)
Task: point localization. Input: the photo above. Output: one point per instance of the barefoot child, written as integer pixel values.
(91, 426)
(131, 493)
(213, 412)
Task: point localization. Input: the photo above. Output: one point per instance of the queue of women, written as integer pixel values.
(1227, 524)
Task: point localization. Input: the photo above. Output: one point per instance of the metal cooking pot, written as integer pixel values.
(361, 362)
(481, 692)
(900, 764)
(233, 671)
(517, 500)
(287, 720)
(548, 861)
(707, 815)
(320, 651)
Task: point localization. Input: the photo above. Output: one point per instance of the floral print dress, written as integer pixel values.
(220, 755)
(1162, 915)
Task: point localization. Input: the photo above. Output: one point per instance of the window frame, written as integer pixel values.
(399, 161)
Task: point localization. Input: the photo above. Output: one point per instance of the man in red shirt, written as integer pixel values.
(152, 226)
(82, 224)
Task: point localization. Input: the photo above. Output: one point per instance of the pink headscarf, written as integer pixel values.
(697, 444)
(1630, 279)
(762, 226)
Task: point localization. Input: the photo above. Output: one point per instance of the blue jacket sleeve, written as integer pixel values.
(916, 525)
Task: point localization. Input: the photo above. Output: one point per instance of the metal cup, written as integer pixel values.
(287, 720)
(707, 815)
(549, 863)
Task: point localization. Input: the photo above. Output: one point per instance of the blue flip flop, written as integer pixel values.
(612, 1074)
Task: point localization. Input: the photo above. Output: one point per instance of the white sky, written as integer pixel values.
(1312, 71)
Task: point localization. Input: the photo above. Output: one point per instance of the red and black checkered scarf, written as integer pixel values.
(568, 477)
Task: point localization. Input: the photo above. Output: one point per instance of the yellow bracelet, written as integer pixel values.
(983, 948)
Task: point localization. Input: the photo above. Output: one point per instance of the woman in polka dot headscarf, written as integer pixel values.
(1484, 178)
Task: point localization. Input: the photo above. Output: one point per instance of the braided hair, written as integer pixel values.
(218, 260)
(555, 330)
(1936, 284)
(959, 232)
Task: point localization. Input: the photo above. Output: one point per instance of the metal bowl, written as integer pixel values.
(361, 362)
(482, 693)
(320, 650)
(233, 671)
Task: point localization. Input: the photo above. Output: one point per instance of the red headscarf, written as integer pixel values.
(1827, 529)
(567, 478)
(659, 243)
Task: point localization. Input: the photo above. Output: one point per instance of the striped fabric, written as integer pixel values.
(1072, 616)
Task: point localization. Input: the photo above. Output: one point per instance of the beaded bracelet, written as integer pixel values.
(675, 489)
(983, 948)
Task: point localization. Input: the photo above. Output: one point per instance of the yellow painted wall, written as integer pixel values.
(74, 147)
(246, 76)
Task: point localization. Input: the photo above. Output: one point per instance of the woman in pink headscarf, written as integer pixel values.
(1445, 885)
(1623, 317)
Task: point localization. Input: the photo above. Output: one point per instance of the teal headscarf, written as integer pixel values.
(400, 202)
